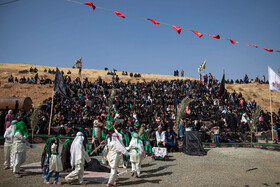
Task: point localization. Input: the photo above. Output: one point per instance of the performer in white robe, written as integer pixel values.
(78, 157)
(55, 163)
(136, 151)
(9, 136)
(121, 163)
(115, 151)
(19, 149)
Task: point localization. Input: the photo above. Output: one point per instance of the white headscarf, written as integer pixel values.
(137, 143)
(119, 145)
(76, 149)
(9, 133)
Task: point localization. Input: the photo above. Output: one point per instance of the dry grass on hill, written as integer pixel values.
(38, 93)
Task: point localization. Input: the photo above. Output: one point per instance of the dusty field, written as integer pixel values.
(221, 167)
(38, 93)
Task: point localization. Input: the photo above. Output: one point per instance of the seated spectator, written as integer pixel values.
(11, 79)
(31, 69)
(227, 138)
(170, 140)
(35, 70)
(160, 137)
(42, 81)
(22, 80)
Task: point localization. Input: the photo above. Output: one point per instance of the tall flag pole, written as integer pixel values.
(274, 84)
(61, 87)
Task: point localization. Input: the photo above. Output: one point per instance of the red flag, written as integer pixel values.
(277, 51)
(231, 41)
(178, 29)
(213, 36)
(252, 45)
(198, 34)
(90, 4)
(154, 21)
(119, 14)
(269, 50)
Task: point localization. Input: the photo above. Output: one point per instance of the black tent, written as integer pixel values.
(192, 144)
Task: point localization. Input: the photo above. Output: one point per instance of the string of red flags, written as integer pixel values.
(177, 28)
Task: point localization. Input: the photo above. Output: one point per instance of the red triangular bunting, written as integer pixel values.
(154, 21)
(90, 4)
(178, 29)
(213, 36)
(252, 45)
(231, 41)
(269, 50)
(198, 34)
(119, 14)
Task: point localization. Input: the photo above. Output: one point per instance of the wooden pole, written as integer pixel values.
(50, 122)
(271, 122)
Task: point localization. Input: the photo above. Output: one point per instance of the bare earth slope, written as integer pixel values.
(38, 93)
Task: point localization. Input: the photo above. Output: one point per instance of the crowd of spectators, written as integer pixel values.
(30, 80)
(218, 117)
(153, 104)
(246, 80)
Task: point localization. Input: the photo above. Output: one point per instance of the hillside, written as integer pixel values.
(38, 93)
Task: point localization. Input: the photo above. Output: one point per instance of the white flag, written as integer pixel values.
(274, 80)
(204, 64)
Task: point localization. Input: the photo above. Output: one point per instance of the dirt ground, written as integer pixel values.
(221, 167)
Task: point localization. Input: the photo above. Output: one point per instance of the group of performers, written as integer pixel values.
(117, 148)
(116, 144)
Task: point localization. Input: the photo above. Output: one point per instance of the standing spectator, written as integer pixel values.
(9, 118)
(216, 131)
(275, 132)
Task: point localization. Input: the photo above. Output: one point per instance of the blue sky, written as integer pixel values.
(57, 32)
